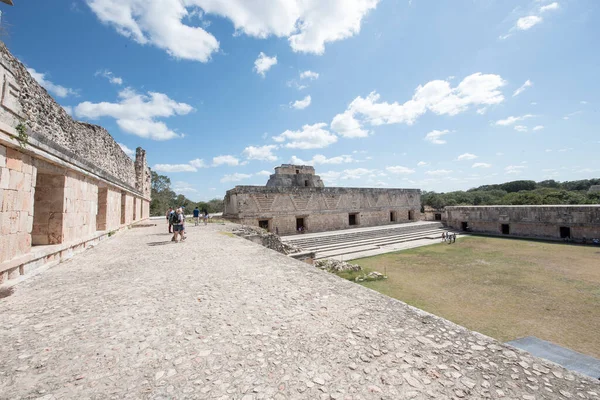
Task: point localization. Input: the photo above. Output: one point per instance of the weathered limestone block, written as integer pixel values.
(4, 178)
(13, 159)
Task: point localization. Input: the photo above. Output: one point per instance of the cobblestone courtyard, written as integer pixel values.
(220, 317)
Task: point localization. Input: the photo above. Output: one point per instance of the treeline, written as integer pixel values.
(164, 197)
(517, 193)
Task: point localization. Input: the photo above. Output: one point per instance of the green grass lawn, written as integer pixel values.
(504, 288)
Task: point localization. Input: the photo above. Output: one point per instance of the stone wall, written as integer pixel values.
(49, 123)
(529, 221)
(322, 209)
(61, 188)
(17, 180)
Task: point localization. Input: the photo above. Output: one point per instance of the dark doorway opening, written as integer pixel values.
(123, 207)
(392, 216)
(565, 232)
(263, 223)
(438, 217)
(352, 220)
(300, 224)
(464, 226)
(411, 215)
(297, 171)
(505, 229)
(305, 183)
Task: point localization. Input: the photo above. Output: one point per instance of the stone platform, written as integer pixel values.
(219, 317)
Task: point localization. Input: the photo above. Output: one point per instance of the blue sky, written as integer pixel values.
(429, 94)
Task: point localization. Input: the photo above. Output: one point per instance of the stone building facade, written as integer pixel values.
(64, 185)
(546, 222)
(292, 204)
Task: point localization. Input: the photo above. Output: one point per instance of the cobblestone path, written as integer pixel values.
(219, 317)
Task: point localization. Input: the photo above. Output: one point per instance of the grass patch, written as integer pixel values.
(228, 234)
(503, 288)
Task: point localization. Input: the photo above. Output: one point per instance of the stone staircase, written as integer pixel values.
(361, 240)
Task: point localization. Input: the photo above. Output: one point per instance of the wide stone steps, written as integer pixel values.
(324, 246)
(351, 248)
(348, 236)
(367, 240)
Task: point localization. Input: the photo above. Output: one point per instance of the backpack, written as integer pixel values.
(174, 219)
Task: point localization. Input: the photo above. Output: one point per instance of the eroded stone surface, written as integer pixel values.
(230, 319)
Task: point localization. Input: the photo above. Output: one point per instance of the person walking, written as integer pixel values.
(178, 221)
(205, 212)
(443, 236)
(196, 216)
(169, 212)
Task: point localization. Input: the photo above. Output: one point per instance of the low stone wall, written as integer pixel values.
(580, 221)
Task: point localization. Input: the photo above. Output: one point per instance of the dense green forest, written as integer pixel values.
(164, 197)
(518, 193)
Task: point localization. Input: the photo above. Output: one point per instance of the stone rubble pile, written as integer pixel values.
(332, 265)
(267, 239)
(371, 276)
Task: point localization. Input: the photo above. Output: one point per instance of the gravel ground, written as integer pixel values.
(219, 317)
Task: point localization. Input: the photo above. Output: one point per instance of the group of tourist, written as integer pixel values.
(176, 221)
(448, 237)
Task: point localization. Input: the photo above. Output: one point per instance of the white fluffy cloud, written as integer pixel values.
(514, 169)
(115, 80)
(263, 173)
(235, 177)
(437, 96)
(126, 150)
(264, 63)
(466, 156)
(521, 128)
(198, 163)
(309, 75)
(422, 164)
(57, 90)
(174, 168)
(158, 22)
(481, 165)
(137, 113)
(435, 136)
(439, 172)
(226, 160)
(538, 128)
(261, 153)
(512, 120)
(549, 7)
(321, 159)
(400, 170)
(528, 22)
(310, 137)
(302, 104)
(308, 25)
(520, 90)
(347, 126)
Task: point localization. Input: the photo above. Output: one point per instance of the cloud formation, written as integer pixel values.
(264, 63)
(57, 90)
(137, 113)
(309, 137)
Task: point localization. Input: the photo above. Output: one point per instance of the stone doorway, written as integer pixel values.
(565, 232)
(48, 209)
(300, 227)
(411, 215)
(438, 217)
(464, 226)
(264, 223)
(505, 229)
(123, 208)
(102, 209)
(353, 219)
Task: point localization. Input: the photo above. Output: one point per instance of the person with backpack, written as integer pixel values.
(178, 222)
(169, 212)
(205, 212)
(196, 216)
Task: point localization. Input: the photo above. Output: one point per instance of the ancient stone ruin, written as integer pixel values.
(569, 222)
(295, 200)
(64, 184)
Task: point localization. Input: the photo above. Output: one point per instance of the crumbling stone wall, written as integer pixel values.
(322, 209)
(529, 221)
